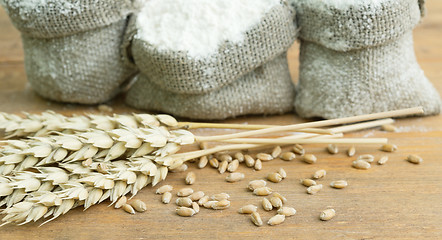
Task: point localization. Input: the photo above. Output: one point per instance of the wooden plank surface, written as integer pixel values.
(399, 200)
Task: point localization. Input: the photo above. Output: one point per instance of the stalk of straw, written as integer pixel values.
(324, 123)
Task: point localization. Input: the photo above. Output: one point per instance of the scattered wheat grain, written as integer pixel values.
(383, 160)
(339, 184)
(327, 214)
(314, 189)
(413, 158)
(319, 174)
(309, 158)
(248, 209)
(361, 164)
(184, 192)
(266, 204)
(277, 219)
(235, 177)
(332, 149)
(256, 219)
(389, 148)
(190, 178)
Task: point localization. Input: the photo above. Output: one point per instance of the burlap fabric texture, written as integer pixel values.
(177, 72)
(359, 59)
(266, 90)
(72, 47)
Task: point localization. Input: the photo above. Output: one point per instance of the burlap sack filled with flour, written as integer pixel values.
(266, 90)
(72, 47)
(357, 57)
(189, 66)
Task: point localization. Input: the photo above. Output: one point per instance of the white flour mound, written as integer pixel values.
(198, 26)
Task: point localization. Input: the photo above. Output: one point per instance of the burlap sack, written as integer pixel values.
(57, 18)
(358, 58)
(72, 47)
(266, 90)
(177, 72)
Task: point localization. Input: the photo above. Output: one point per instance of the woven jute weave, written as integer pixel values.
(176, 71)
(359, 58)
(57, 18)
(266, 90)
(72, 48)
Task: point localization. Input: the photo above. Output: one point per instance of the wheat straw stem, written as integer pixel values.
(324, 123)
(274, 141)
(361, 126)
(195, 125)
(195, 154)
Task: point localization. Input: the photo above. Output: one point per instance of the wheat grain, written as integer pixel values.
(250, 162)
(185, 211)
(277, 219)
(299, 149)
(214, 163)
(278, 195)
(319, 174)
(128, 208)
(309, 158)
(190, 178)
(221, 205)
(332, 149)
(339, 184)
(288, 156)
(197, 195)
(282, 172)
(361, 164)
(184, 192)
(366, 157)
(164, 189)
(203, 162)
(276, 202)
(351, 151)
(413, 158)
(239, 156)
(220, 196)
(258, 165)
(167, 196)
(121, 202)
(248, 209)
(235, 177)
(264, 157)
(256, 219)
(195, 207)
(183, 202)
(276, 152)
(254, 184)
(203, 200)
(383, 160)
(223, 167)
(266, 204)
(287, 211)
(327, 214)
(233, 166)
(389, 148)
(139, 205)
(274, 177)
(262, 191)
(314, 189)
(225, 157)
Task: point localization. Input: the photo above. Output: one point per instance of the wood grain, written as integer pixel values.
(396, 201)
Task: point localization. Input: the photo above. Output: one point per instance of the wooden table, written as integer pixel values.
(397, 200)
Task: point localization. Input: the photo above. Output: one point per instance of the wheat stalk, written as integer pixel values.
(94, 158)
